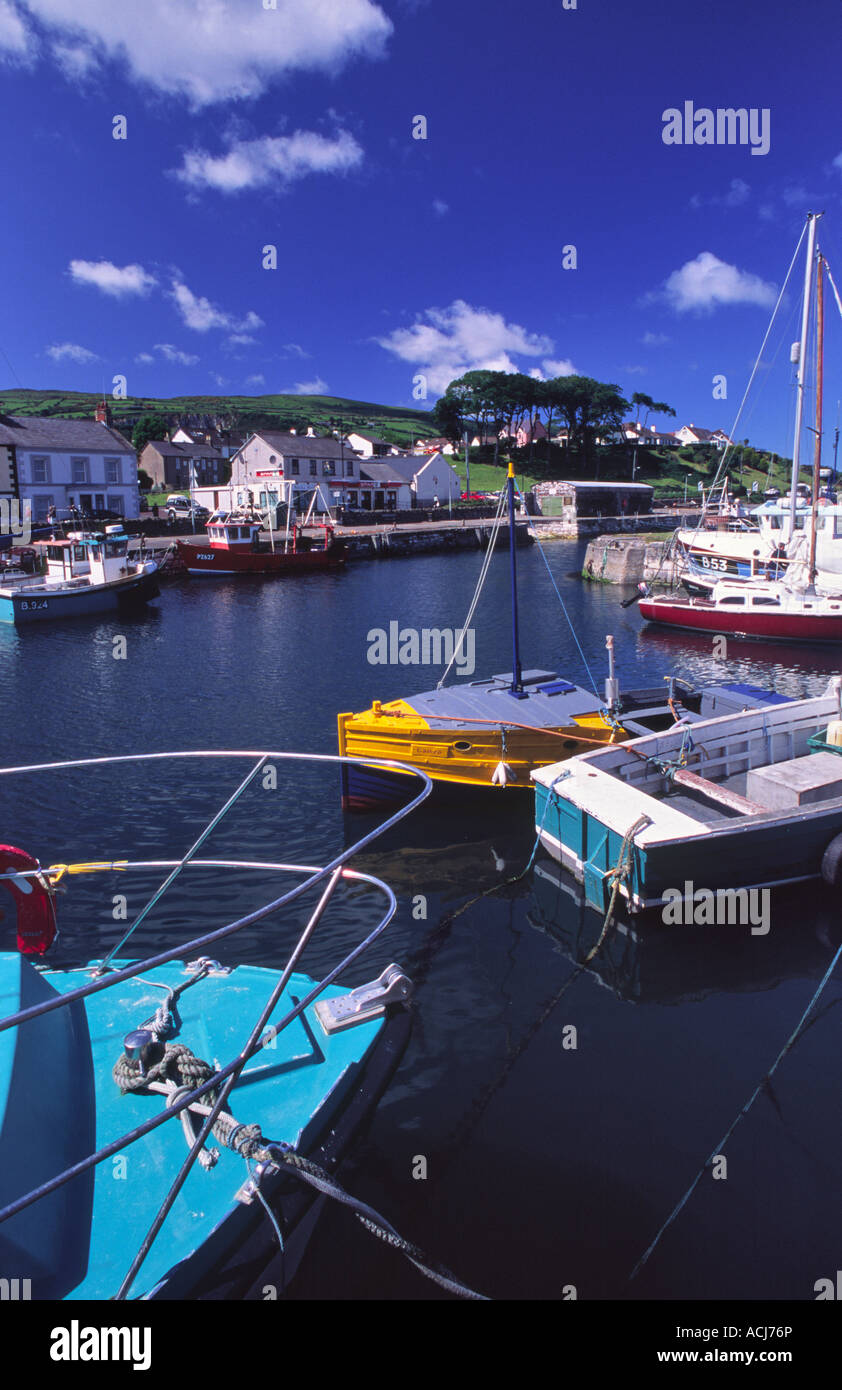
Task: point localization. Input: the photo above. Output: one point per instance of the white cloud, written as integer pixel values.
(256, 380)
(15, 39)
(174, 354)
(209, 51)
(221, 381)
(198, 313)
(271, 160)
(72, 351)
(738, 193)
(316, 387)
(707, 282)
(242, 339)
(118, 281)
(461, 338)
(440, 207)
(295, 350)
(143, 359)
(75, 61)
(561, 366)
(654, 339)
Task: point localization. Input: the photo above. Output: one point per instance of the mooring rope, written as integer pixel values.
(717, 1149)
(619, 873)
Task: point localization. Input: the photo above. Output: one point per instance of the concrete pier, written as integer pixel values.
(628, 560)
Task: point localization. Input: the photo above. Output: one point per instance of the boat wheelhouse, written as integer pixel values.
(770, 611)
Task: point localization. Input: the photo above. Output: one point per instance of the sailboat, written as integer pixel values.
(791, 609)
(489, 735)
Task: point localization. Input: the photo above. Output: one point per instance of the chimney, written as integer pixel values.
(103, 413)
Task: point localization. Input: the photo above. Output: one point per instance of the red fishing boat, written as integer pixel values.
(236, 545)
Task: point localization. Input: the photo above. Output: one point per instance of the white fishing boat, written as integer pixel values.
(85, 573)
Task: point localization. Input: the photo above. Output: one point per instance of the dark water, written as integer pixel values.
(547, 1166)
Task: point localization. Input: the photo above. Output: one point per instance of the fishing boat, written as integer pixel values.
(225, 1094)
(86, 573)
(236, 545)
(735, 802)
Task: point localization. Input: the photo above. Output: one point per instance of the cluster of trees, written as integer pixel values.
(495, 404)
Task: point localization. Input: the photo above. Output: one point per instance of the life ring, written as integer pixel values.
(35, 910)
(832, 863)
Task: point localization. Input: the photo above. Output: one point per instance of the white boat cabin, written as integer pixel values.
(96, 558)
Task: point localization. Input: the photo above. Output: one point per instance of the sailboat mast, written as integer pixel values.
(517, 675)
(817, 456)
(812, 220)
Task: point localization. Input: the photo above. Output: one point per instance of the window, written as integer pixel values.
(41, 506)
(293, 468)
(79, 471)
(115, 503)
(769, 602)
(314, 468)
(328, 469)
(112, 470)
(41, 470)
(733, 602)
(100, 501)
(349, 468)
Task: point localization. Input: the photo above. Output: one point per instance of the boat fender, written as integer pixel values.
(502, 775)
(832, 863)
(834, 733)
(36, 920)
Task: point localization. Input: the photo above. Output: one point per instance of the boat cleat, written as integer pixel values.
(210, 967)
(365, 1002)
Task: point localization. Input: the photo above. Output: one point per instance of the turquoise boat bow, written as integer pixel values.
(111, 1181)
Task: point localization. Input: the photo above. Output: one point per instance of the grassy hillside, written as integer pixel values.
(397, 423)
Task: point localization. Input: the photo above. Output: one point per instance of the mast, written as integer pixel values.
(817, 455)
(812, 220)
(516, 687)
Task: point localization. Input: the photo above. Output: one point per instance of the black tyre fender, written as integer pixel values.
(832, 863)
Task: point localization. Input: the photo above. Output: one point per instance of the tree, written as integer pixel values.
(589, 408)
(149, 427)
(144, 482)
(448, 416)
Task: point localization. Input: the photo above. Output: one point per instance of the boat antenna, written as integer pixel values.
(516, 687)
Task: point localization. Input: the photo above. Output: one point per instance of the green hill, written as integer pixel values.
(396, 423)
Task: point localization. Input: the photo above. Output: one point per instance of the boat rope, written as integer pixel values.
(730, 445)
(178, 1072)
(492, 541)
(761, 1086)
(560, 599)
(310, 1173)
(619, 875)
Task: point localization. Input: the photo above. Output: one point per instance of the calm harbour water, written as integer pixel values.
(547, 1167)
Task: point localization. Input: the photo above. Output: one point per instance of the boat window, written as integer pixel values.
(78, 552)
(837, 525)
(769, 602)
(733, 602)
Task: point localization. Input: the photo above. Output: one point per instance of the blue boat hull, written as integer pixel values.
(22, 609)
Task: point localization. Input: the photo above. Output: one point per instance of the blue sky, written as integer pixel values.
(250, 126)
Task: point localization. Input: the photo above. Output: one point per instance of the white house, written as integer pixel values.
(271, 466)
(369, 446)
(430, 476)
(71, 463)
(694, 434)
(440, 445)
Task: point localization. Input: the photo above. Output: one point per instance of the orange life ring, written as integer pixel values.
(35, 909)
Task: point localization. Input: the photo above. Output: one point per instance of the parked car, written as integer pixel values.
(472, 497)
(179, 508)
